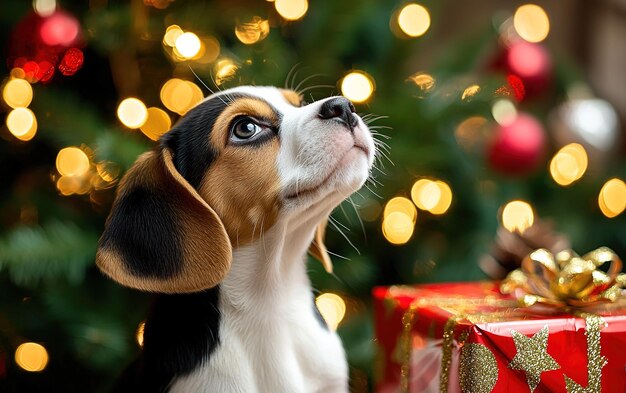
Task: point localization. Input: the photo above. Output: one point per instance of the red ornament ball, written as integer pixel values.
(517, 147)
(71, 62)
(532, 65)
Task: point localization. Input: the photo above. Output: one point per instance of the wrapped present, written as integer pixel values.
(470, 337)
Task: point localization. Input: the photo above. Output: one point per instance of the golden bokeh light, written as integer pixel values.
(180, 96)
(17, 93)
(414, 20)
(531, 23)
(157, 123)
(132, 112)
(357, 86)
(211, 50)
(225, 69)
(517, 216)
(569, 164)
(434, 196)
(397, 228)
(504, 112)
(424, 81)
(171, 35)
(470, 92)
(108, 171)
(612, 198)
(188, 45)
(44, 7)
(403, 205)
(332, 307)
(31, 357)
(72, 161)
(470, 132)
(291, 9)
(445, 198)
(139, 333)
(254, 31)
(22, 123)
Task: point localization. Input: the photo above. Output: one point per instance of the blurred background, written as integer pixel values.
(500, 128)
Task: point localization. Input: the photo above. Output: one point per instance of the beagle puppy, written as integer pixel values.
(217, 220)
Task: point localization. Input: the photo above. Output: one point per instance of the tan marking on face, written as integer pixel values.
(242, 184)
(292, 97)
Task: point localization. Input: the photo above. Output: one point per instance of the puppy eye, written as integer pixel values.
(247, 128)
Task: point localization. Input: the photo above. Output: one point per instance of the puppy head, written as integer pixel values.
(229, 170)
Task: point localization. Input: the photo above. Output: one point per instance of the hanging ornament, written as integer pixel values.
(517, 146)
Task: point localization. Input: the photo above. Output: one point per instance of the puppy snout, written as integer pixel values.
(341, 109)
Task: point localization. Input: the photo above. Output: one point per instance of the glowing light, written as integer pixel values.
(332, 307)
(528, 60)
(254, 31)
(369, 210)
(17, 93)
(470, 92)
(225, 69)
(398, 228)
(403, 205)
(68, 185)
(31, 357)
(171, 35)
(72, 161)
(569, 164)
(517, 216)
(211, 49)
(433, 196)
(188, 45)
(180, 96)
(108, 171)
(22, 123)
(504, 112)
(531, 23)
(291, 9)
(414, 20)
(424, 81)
(157, 123)
(612, 198)
(470, 132)
(44, 7)
(139, 333)
(357, 86)
(59, 29)
(132, 112)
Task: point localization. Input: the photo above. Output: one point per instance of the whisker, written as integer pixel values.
(207, 87)
(303, 81)
(338, 255)
(356, 211)
(345, 237)
(314, 87)
(293, 68)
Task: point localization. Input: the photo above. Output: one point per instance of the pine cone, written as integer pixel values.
(510, 248)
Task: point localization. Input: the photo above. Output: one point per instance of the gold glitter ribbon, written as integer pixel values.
(595, 360)
(567, 280)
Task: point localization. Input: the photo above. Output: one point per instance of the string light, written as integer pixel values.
(254, 31)
(531, 23)
(31, 357)
(434, 196)
(332, 307)
(139, 333)
(504, 112)
(414, 20)
(291, 9)
(612, 198)
(517, 216)
(470, 92)
(22, 123)
(397, 228)
(188, 45)
(180, 96)
(357, 86)
(17, 93)
(403, 205)
(44, 8)
(132, 112)
(157, 123)
(569, 164)
(424, 81)
(72, 161)
(225, 69)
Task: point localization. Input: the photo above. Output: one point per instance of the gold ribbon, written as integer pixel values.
(567, 280)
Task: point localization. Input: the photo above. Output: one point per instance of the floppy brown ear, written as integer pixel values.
(318, 248)
(161, 236)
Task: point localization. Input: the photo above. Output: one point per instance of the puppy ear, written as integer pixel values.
(161, 236)
(318, 248)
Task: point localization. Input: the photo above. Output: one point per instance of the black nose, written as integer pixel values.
(339, 108)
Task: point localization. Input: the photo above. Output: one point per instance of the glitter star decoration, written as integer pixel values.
(532, 356)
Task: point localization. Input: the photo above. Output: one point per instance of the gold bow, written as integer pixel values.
(567, 280)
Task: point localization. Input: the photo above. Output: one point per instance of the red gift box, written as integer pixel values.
(468, 337)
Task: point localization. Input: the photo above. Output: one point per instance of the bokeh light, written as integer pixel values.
(504, 112)
(72, 161)
(59, 28)
(171, 35)
(332, 307)
(180, 96)
(44, 8)
(291, 9)
(434, 196)
(211, 50)
(397, 228)
(157, 123)
(225, 69)
(569, 164)
(470, 132)
(470, 92)
(531, 23)
(139, 333)
(188, 45)
(414, 20)
(357, 86)
(528, 60)
(403, 205)
(424, 81)
(22, 123)
(132, 112)
(254, 31)
(612, 198)
(17, 93)
(517, 216)
(31, 357)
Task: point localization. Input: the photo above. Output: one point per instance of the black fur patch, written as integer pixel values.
(180, 333)
(143, 231)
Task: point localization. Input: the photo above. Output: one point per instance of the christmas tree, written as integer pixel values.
(494, 146)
